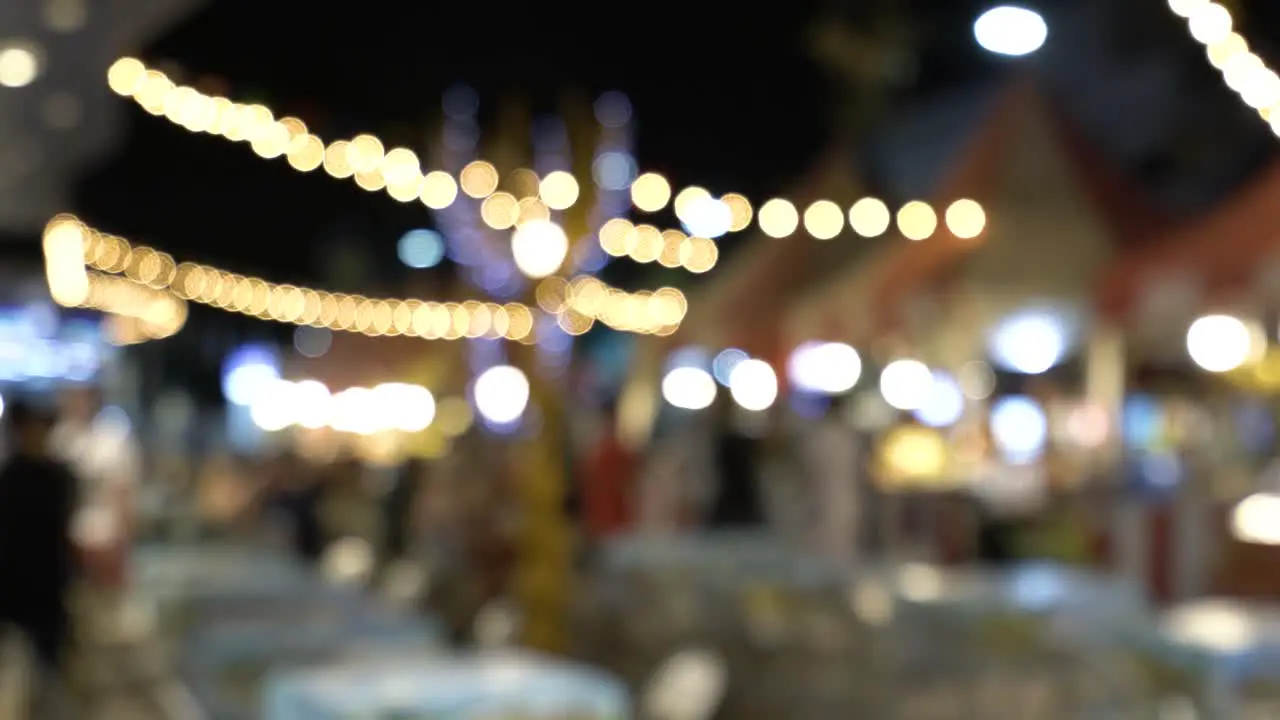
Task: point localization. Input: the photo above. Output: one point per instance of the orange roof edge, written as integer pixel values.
(1129, 218)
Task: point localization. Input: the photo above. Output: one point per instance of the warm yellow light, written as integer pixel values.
(650, 192)
(870, 217)
(966, 219)
(531, 209)
(646, 243)
(124, 75)
(687, 198)
(500, 210)
(478, 179)
(672, 242)
(559, 190)
(1210, 23)
(400, 167)
(19, 65)
(615, 237)
(699, 254)
(740, 211)
(1221, 52)
(438, 190)
(823, 219)
(365, 153)
(778, 218)
(335, 160)
(917, 221)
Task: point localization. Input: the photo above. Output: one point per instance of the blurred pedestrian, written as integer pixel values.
(608, 484)
(37, 556)
(831, 450)
(98, 445)
(736, 503)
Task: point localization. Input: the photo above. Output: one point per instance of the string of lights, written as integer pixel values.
(71, 244)
(135, 313)
(705, 215)
(1212, 25)
(367, 161)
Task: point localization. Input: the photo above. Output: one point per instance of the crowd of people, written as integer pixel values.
(69, 494)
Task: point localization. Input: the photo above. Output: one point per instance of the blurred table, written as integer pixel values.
(1039, 641)
(458, 686)
(1220, 656)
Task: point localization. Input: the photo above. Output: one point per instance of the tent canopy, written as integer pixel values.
(1229, 250)
(1056, 215)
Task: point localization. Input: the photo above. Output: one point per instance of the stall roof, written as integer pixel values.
(996, 153)
(1223, 251)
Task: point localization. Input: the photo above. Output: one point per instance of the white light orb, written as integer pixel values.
(905, 384)
(753, 385)
(405, 407)
(1011, 31)
(1256, 519)
(501, 394)
(272, 408)
(1030, 342)
(1220, 343)
(19, 64)
(248, 373)
(944, 405)
(829, 368)
(539, 248)
(1019, 429)
(313, 401)
(689, 388)
(708, 217)
(354, 410)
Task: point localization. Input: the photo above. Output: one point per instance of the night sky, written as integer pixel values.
(730, 96)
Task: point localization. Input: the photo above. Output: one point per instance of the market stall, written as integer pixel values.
(1002, 311)
(1226, 265)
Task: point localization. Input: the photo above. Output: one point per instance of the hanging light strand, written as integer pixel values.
(366, 160)
(1246, 73)
(147, 268)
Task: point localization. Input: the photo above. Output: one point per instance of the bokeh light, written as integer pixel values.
(1220, 343)
(650, 192)
(501, 394)
(917, 221)
(1009, 30)
(870, 217)
(753, 385)
(823, 220)
(688, 388)
(778, 218)
(539, 248)
(905, 384)
(421, 248)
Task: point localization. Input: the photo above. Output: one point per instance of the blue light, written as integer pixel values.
(1140, 421)
(421, 248)
(614, 170)
(461, 101)
(689, 356)
(613, 110)
(724, 364)
(247, 371)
